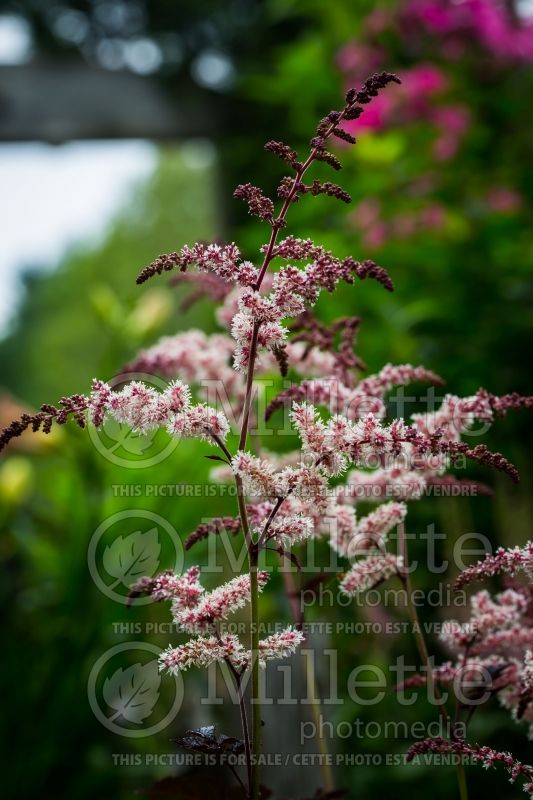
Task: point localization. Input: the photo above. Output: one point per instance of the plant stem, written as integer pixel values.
(434, 692)
(256, 707)
(405, 577)
(461, 780)
(249, 387)
(253, 549)
(310, 681)
(246, 733)
(237, 677)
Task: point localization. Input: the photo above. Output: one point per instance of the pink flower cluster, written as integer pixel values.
(186, 588)
(143, 408)
(260, 478)
(215, 605)
(487, 20)
(201, 652)
(351, 537)
(370, 572)
(421, 86)
(485, 756)
(222, 260)
(380, 483)
(367, 396)
(489, 618)
(290, 529)
(192, 356)
(292, 288)
(205, 650)
(199, 613)
(336, 443)
(493, 649)
(458, 414)
(509, 561)
(279, 645)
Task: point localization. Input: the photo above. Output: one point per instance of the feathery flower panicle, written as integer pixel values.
(288, 190)
(215, 526)
(457, 414)
(217, 604)
(284, 152)
(392, 375)
(306, 483)
(334, 389)
(285, 499)
(369, 437)
(324, 271)
(290, 529)
(143, 408)
(200, 421)
(311, 430)
(183, 589)
(488, 616)
(258, 205)
(382, 483)
(328, 188)
(485, 756)
(223, 260)
(371, 531)
(279, 645)
(443, 674)
(526, 674)
(350, 537)
(258, 476)
(192, 356)
(136, 405)
(202, 652)
(73, 407)
(341, 525)
(370, 572)
(508, 561)
(270, 335)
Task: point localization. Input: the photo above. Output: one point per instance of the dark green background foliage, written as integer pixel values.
(462, 307)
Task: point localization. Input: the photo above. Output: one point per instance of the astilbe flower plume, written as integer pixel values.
(510, 561)
(215, 605)
(483, 755)
(343, 431)
(495, 644)
(370, 572)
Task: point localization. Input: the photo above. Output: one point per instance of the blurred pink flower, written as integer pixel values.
(404, 225)
(418, 84)
(366, 212)
(423, 79)
(359, 58)
(433, 216)
(378, 20)
(503, 199)
(376, 236)
(453, 121)
(487, 20)
(454, 118)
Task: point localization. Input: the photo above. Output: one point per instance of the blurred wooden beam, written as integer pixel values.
(61, 102)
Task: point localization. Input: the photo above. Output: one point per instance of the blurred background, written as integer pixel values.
(124, 127)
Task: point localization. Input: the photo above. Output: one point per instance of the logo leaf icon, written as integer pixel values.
(123, 436)
(133, 692)
(131, 557)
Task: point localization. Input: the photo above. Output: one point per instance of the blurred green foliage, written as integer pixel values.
(462, 307)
